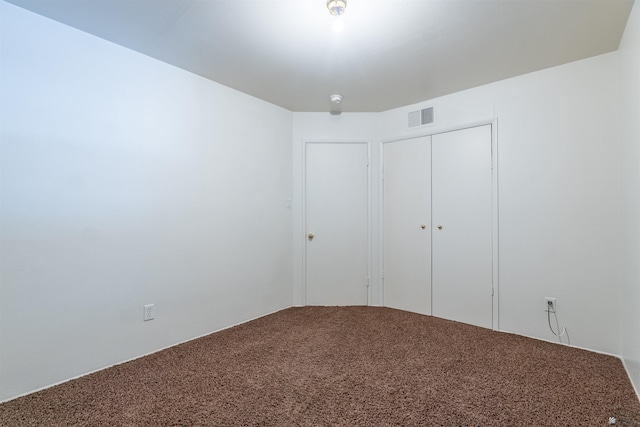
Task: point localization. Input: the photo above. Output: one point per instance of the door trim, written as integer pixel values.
(495, 224)
(493, 122)
(303, 236)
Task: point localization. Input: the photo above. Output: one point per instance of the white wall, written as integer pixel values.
(329, 128)
(127, 181)
(558, 194)
(630, 161)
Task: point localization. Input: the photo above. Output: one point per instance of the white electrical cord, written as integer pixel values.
(551, 309)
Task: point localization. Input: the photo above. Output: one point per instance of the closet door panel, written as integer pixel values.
(462, 226)
(407, 225)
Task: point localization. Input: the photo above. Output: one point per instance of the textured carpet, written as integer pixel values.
(345, 366)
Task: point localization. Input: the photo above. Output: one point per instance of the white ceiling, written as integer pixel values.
(391, 53)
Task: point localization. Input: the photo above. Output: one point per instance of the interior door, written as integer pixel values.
(337, 242)
(407, 225)
(462, 227)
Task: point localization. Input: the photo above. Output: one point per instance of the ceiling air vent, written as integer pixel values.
(421, 117)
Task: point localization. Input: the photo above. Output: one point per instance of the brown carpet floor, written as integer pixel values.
(345, 366)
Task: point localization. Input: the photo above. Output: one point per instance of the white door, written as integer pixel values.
(407, 225)
(462, 227)
(337, 193)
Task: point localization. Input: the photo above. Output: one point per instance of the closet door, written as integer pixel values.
(407, 225)
(462, 226)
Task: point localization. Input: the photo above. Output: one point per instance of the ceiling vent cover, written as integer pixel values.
(421, 117)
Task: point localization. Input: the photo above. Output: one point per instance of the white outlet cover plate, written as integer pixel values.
(148, 312)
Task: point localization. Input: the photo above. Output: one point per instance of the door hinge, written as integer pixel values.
(368, 281)
(492, 291)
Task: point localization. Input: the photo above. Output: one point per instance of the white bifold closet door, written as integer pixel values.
(462, 256)
(437, 222)
(407, 225)
(336, 222)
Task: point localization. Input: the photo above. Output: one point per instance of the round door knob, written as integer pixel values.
(439, 227)
(310, 236)
(423, 226)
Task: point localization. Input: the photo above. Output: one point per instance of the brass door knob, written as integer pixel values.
(310, 236)
(439, 227)
(423, 226)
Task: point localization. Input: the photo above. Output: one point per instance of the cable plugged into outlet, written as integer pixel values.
(551, 308)
(148, 312)
(550, 304)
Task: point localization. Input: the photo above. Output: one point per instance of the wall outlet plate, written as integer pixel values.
(550, 304)
(148, 312)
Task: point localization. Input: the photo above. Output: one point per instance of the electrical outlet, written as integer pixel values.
(148, 312)
(550, 304)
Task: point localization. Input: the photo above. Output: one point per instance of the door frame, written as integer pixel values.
(303, 236)
(431, 131)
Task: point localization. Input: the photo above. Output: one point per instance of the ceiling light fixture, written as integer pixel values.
(336, 99)
(336, 9)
